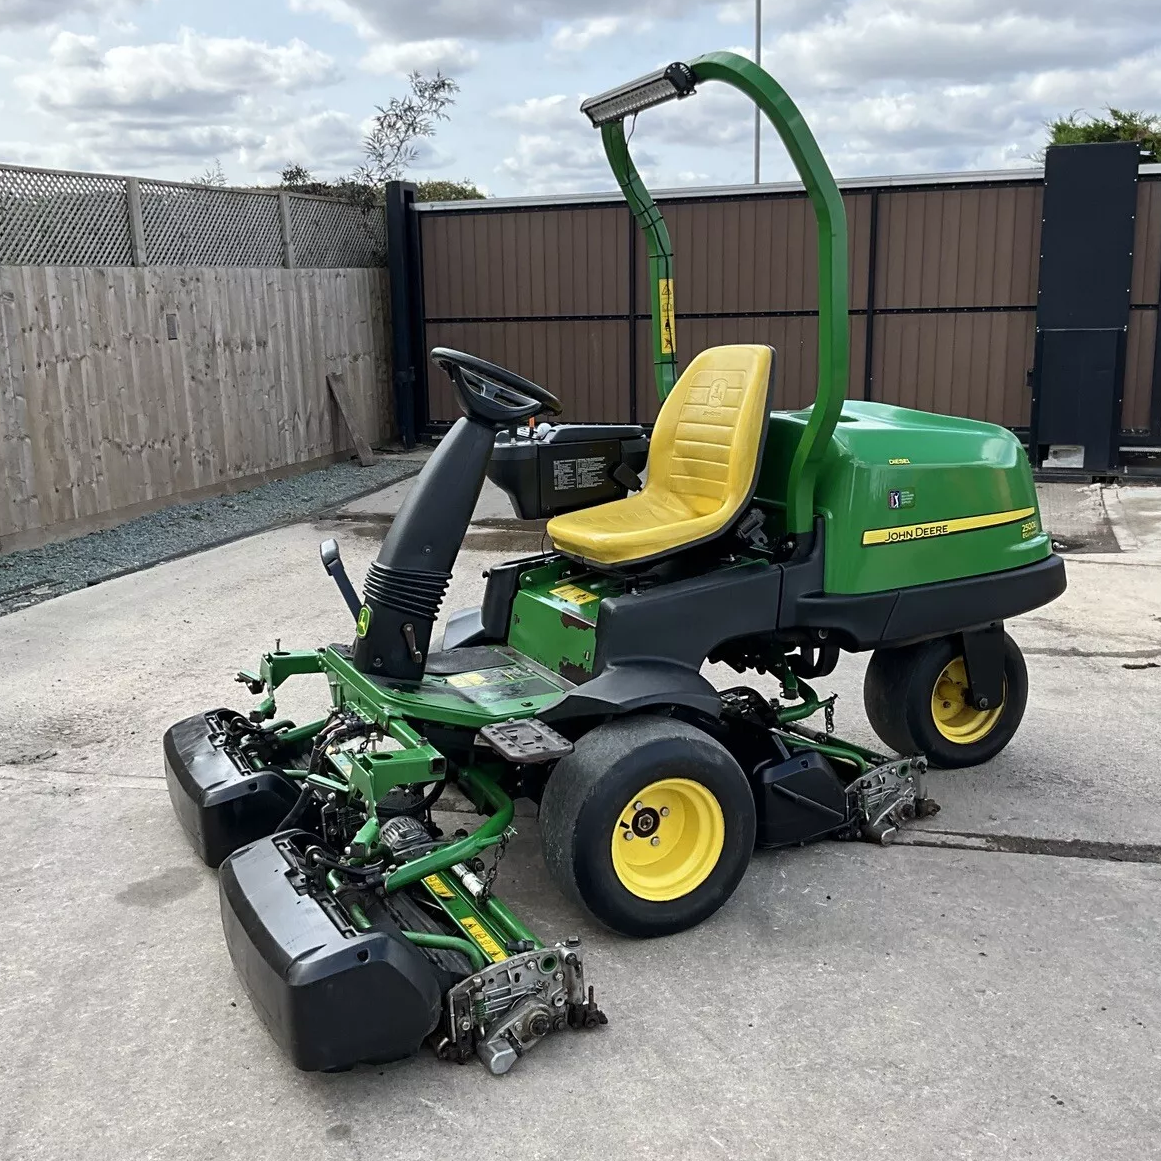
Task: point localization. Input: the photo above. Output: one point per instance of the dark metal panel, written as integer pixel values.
(974, 365)
(758, 255)
(585, 363)
(1147, 244)
(405, 276)
(958, 248)
(1136, 412)
(434, 232)
(1083, 307)
(1090, 201)
(858, 208)
(795, 338)
(1091, 363)
(534, 264)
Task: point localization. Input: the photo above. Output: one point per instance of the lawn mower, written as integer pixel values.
(767, 540)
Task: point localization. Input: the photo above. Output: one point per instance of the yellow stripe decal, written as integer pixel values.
(439, 887)
(476, 930)
(910, 532)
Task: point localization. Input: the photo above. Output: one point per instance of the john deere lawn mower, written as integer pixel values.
(764, 539)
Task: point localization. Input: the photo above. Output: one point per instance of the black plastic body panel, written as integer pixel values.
(488, 623)
(684, 621)
(651, 644)
(464, 627)
(798, 800)
(876, 620)
(329, 998)
(568, 467)
(220, 804)
(900, 616)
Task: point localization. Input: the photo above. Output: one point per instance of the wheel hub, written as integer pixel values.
(645, 822)
(955, 717)
(668, 839)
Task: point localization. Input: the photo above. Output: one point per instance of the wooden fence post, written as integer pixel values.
(287, 230)
(136, 222)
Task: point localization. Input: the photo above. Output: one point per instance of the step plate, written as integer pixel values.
(527, 742)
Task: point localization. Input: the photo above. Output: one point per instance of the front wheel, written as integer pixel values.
(917, 700)
(649, 825)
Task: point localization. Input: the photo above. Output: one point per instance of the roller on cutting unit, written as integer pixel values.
(735, 532)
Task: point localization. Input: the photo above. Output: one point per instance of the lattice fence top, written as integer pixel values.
(55, 218)
(46, 215)
(201, 226)
(329, 234)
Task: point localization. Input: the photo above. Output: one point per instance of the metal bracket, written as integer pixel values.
(886, 796)
(983, 655)
(510, 1007)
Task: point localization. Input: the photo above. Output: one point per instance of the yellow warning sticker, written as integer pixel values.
(465, 680)
(934, 528)
(573, 594)
(665, 300)
(439, 887)
(476, 930)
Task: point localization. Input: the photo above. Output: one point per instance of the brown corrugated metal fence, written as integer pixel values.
(943, 290)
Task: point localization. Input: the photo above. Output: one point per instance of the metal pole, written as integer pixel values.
(757, 111)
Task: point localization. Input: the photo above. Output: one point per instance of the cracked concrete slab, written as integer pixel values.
(850, 1000)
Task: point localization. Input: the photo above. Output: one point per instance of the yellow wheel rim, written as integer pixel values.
(668, 839)
(955, 717)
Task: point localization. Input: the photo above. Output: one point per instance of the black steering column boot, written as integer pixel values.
(406, 585)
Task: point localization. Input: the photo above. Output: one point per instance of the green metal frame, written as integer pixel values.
(833, 332)
(367, 777)
(659, 248)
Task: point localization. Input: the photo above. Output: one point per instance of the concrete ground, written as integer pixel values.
(849, 1002)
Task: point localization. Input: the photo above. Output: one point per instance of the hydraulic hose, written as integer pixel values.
(298, 809)
(475, 955)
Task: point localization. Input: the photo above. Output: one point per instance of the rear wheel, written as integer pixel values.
(917, 700)
(649, 825)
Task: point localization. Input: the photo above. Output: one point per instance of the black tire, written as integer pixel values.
(897, 693)
(591, 789)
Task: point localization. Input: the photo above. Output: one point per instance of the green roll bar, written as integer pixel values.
(608, 110)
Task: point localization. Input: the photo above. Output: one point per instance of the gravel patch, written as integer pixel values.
(37, 574)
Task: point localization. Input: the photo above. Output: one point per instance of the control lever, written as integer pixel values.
(333, 563)
(750, 529)
(627, 478)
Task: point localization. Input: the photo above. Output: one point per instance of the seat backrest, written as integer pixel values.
(706, 442)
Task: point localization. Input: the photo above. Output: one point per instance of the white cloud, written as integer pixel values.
(36, 13)
(557, 112)
(544, 163)
(887, 85)
(339, 11)
(786, 14)
(581, 34)
(325, 141)
(486, 20)
(877, 41)
(189, 77)
(447, 55)
(150, 107)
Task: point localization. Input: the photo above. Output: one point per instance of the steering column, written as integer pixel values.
(406, 584)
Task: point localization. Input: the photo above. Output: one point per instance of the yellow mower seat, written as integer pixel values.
(703, 465)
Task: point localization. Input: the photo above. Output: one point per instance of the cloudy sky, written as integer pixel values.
(158, 88)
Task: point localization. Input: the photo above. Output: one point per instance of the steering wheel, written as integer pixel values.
(491, 394)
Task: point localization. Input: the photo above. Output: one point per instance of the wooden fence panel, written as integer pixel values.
(124, 387)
